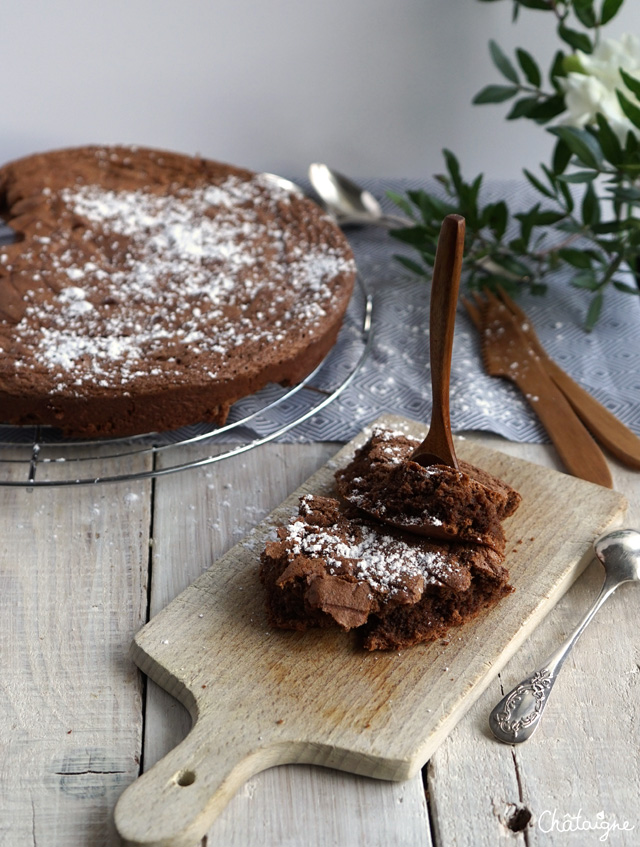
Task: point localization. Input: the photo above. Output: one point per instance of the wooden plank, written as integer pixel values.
(73, 579)
(584, 756)
(326, 688)
(198, 517)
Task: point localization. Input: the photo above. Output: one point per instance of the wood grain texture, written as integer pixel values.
(197, 517)
(584, 755)
(262, 698)
(73, 590)
(506, 352)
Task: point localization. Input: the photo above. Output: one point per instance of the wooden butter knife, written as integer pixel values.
(601, 423)
(507, 353)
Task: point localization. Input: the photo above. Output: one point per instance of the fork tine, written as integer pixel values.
(511, 305)
(473, 312)
(493, 302)
(478, 298)
(524, 323)
(492, 299)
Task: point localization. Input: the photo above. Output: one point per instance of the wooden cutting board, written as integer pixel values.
(260, 697)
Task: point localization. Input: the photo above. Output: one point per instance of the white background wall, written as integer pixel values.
(373, 87)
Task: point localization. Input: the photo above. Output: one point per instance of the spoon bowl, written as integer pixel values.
(619, 552)
(349, 203)
(517, 716)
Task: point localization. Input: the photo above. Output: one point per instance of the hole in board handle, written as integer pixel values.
(185, 777)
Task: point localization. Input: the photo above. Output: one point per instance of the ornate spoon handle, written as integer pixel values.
(517, 715)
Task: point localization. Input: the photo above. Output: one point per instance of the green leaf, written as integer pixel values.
(631, 82)
(570, 226)
(475, 187)
(585, 13)
(626, 193)
(453, 167)
(575, 39)
(582, 144)
(432, 207)
(609, 141)
(538, 288)
(401, 202)
(535, 4)
(611, 246)
(590, 207)
(548, 217)
(415, 236)
(494, 94)
(628, 289)
(527, 223)
(579, 176)
(610, 9)
(469, 201)
(522, 108)
(502, 63)
(547, 109)
(630, 109)
(496, 217)
(539, 185)
(561, 156)
(517, 245)
(575, 258)
(416, 195)
(529, 67)
(587, 279)
(422, 201)
(511, 264)
(557, 70)
(631, 145)
(593, 313)
(568, 197)
(616, 227)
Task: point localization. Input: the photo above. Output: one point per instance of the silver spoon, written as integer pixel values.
(283, 183)
(349, 203)
(516, 717)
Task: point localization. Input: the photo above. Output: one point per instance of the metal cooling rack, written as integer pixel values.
(39, 457)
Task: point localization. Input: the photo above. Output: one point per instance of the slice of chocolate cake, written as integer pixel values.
(468, 504)
(332, 566)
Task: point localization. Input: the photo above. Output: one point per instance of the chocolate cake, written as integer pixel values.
(147, 290)
(332, 566)
(466, 504)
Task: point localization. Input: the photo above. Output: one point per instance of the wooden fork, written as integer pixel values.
(601, 423)
(507, 352)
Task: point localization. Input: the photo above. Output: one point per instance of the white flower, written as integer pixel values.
(593, 90)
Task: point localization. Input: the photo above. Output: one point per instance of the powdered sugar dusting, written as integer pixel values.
(159, 281)
(385, 562)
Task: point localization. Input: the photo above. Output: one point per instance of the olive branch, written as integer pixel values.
(589, 194)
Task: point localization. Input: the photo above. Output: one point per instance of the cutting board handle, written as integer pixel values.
(176, 801)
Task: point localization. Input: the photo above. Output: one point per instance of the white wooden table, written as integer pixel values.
(82, 569)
